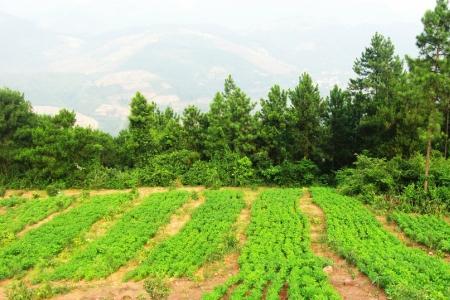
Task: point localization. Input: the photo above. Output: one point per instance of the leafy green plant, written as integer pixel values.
(52, 190)
(51, 238)
(429, 230)
(124, 239)
(277, 253)
(157, 288)
(19, 291)
(28, 212)
(12, 201)
(356, 235)
(204, 235)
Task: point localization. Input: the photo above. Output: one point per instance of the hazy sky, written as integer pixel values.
(93, 55)
(86, 16)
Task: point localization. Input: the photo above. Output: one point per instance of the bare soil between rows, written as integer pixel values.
(346, 279)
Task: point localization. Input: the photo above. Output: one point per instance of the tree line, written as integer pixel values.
(392, 107)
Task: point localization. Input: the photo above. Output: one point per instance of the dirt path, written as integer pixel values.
(113, 287)
(392, 228)
(216, 273)
(346, 279)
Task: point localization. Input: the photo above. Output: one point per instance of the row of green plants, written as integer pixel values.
(121, 243)
(277, 254)
(404, 273)
(51, 238)
(206, 237)
(11, 201)
(429, 230)
(28, 212)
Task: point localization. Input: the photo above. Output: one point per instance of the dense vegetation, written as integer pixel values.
(429, 230)
(28, 212)
(404, 273)
(392, 108)
(207, 236)
(51, 238)
(121, 243)
(277, 254)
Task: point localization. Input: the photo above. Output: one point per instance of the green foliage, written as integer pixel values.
(19, 291)
(398, 183)
(157, 288)
(307, 110)
(429, 230)
(12, 201)
(231, 126)
(205, 237)
(2, 191)
(108, 253)
(53, 189)
(302, 173)
(51, 238)
(356, 235)
(277, 253)
(202, 173)
(28, 212)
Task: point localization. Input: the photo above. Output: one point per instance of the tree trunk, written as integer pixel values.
(446, 131)
(427, 161)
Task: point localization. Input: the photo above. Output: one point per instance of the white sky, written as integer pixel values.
(93, 16)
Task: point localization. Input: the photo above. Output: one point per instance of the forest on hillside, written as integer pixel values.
(384, 137)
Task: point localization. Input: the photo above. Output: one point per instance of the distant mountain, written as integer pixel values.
(173, 65)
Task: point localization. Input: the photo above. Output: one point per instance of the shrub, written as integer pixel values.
(157, 288)
(202, 173)
(301, 173)
(54, 189)
(233, 169)
(19, 291)
(398, 182)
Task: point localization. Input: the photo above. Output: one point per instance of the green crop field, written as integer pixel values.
(275, 259)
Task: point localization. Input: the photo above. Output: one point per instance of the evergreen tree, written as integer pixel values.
(274, 120)
(307, 112)
(432, 72)
(341, 128)
(231, 123)
(194, 128)
(374, 92)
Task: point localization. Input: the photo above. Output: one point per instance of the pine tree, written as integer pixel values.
(431, 69)
(374, 95)
(307, 111)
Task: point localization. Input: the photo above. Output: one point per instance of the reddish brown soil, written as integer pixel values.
(346, 279)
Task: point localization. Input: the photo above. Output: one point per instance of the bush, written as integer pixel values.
(398, 183)
(19, 291)
(369, 176)
(301, 173)
(202, 173)
(233, 169)
(157, 288)
(54, 189)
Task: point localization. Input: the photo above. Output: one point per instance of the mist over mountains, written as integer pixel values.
(97, 74)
